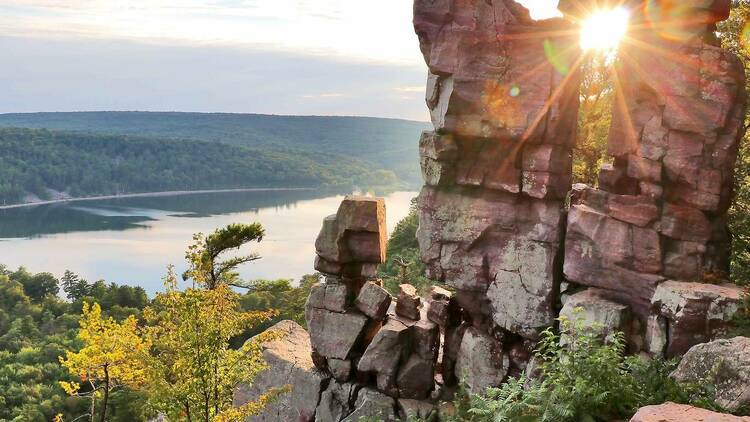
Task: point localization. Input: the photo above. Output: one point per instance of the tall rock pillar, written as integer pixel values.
(503, 95)
(660, 211)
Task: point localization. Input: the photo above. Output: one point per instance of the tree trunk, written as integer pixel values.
(187, 412)
(106, 393)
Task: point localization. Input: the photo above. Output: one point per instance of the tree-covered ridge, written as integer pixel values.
(37, 160)
(383, 143)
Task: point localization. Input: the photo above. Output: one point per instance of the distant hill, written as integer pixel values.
(389, 144)
(45, 162)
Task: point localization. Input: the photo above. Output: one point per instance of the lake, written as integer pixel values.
(132, 240)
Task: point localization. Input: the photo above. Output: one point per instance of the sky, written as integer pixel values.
(321, 57)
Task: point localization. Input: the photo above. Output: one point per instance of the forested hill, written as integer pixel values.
(385, 143)
(35, 161)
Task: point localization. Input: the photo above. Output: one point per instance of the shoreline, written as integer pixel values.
(147, 195)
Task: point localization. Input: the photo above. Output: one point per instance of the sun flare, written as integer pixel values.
(604, 29)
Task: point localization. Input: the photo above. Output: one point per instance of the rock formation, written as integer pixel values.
(502, 227)
(724, 364)
(672, 412)
(503, 95)
(658, 218)
(289, 364)
(359, 334)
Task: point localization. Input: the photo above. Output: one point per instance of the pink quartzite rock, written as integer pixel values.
(332, 343)
(695, 312)
(725, 365)
(442, 308)
(289, 364)
(481, 362)
(408, 302)
(503, 95)
(373, 301)
(353, 242)
(660, 212)
(384, 352)
(672, 412)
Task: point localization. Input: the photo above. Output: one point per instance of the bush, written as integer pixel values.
(584, 380)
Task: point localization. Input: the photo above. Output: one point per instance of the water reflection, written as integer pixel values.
(132, 240)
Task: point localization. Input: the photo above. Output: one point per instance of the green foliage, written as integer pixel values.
(584, 379)
(403, 263)
(36, 327)
(741, 320)
(192, 370)
(279, 295)
(734, 37)
(36, 286)
(388, 144)
(594, 118)
(203, 255)
(36, 161)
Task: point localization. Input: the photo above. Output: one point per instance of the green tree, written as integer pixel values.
(205, 268)
(74, 287)
(279, 295)
(594, 117)
(36, 286)
(193, 371)
(735, 36)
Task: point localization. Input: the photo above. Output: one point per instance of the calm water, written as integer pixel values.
(131, 241)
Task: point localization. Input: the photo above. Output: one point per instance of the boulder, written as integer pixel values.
(337, 295)
(425, 336)
(289, 364)
(354, 236)
(481, 362)
(613, 256)
(336, 402)
(408, 302)
(373, 301)
(372, 405)
(597, 313)
(685, 223)
(673, 412)
(695, 312)
(410, 409)
(340, 369)
(442, 308)
(334, 343)
(521, 295)
(725, 364)
(384, 353)
(415, 377)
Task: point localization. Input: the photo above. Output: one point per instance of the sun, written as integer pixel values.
(604, 29)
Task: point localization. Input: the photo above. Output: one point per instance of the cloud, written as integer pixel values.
(352, 28)
(90, 74)
(416, 89)
(326, 95)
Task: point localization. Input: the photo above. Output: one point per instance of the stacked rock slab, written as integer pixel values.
(350, 246)
(359, 334)
(660, 211)
(503, 95)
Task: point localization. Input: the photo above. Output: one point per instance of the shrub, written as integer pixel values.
(584, 380)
